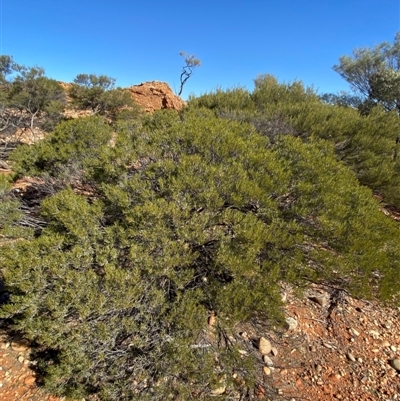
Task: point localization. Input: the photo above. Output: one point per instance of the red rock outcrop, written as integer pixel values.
(155, 95)
(150, 96)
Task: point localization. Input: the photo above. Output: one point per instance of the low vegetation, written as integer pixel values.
(189, 215)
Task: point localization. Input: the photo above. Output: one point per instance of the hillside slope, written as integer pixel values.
(340, 348)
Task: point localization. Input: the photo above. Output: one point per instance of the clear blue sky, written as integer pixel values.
(139, 40)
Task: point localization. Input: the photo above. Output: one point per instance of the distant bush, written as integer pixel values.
(367, 144)
(99, 94)
(28, 99)
(224, 100)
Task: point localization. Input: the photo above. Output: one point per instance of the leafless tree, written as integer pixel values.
(191, 62)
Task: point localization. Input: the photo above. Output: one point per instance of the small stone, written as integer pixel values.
(20, 346)
(219, 391)
(395, 364)
(20, 359)
(334, 377)
(375, 350)
(268, 361)
(360, 360)
(385, 343)
(318, 368)
(266, 370)
(244, 335)
(321, 301)
(29, 381)
(354, 332)
(291, 323)
(274, 351)
(393, 348)
(264, 346)
(350, 356)
(374, 334)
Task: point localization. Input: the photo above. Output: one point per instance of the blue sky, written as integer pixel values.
(139, 40)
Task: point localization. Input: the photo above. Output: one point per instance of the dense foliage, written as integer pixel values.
(189, 215)
(67, 153)
(368, 144)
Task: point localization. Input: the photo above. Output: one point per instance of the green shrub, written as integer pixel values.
(71, 148)
(98, 94)
(224, 100)
(368, 144)
(116, 291)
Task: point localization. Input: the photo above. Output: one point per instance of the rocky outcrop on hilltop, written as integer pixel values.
(151, 96)
(155, 95)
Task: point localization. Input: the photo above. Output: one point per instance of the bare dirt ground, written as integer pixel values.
(17, 378)
(341, 349)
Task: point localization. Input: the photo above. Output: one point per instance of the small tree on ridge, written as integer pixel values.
(191, 62)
